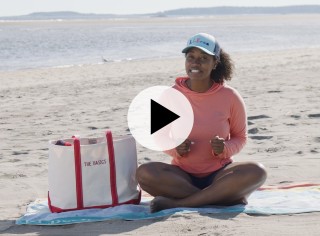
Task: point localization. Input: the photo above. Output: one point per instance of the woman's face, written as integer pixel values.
(199, 64)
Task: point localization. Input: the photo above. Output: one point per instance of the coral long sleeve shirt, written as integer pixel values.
(220, 111)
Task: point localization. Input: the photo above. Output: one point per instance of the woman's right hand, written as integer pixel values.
(184, 147)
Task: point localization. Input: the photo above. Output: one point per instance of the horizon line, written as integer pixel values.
(162, 11)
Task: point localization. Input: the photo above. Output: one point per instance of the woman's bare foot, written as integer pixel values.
(161, 203)
(242, 201)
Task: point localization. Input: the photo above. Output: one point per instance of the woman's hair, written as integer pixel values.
(224, 69)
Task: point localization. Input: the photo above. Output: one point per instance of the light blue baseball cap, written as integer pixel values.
(204, 42)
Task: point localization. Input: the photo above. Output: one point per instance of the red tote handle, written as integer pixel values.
(78, 171)
(112, 164)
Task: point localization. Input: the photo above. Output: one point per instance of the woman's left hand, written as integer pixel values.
(217, 145)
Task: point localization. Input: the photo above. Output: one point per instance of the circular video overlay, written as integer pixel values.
(160, 118)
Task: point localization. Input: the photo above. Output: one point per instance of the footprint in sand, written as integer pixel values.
(253, 131)
(291, 124)
(314, 115)
(20, 152)
(258, 117)
(92, 127)
(272, 149)
(14, 160)
(256, 137)
(12, 176)
(285, 182)
(296, 116)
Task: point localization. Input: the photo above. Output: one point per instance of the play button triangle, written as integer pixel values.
(160, 116)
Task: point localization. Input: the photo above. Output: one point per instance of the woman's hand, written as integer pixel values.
(217, 145)
(184, 147)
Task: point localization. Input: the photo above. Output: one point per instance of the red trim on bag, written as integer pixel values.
(113, 182)
(49, 203)
(54, 209)
(78, 170)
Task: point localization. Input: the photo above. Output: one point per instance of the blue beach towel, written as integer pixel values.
(265, 201)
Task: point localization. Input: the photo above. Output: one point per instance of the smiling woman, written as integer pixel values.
(202, 170)
(199, 66)
(207, 57)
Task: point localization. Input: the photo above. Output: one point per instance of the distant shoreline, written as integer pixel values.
(147, 19)
(70, 15)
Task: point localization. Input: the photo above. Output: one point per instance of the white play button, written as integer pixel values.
(160, 118)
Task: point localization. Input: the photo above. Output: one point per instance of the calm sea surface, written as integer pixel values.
(37, 44)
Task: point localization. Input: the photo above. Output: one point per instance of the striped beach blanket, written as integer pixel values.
(268, 200)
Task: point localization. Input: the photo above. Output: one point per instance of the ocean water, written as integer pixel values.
(34, 44)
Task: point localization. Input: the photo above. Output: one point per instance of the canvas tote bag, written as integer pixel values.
(92, 173)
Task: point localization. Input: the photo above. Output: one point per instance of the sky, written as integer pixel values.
(23, 7)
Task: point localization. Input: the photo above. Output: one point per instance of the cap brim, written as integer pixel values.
(186, 49)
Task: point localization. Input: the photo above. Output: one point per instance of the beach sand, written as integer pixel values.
(281, 92)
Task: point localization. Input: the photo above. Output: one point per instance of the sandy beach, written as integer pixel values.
(281, 92)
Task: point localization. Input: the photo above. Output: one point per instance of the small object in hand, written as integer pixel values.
(63, 143)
